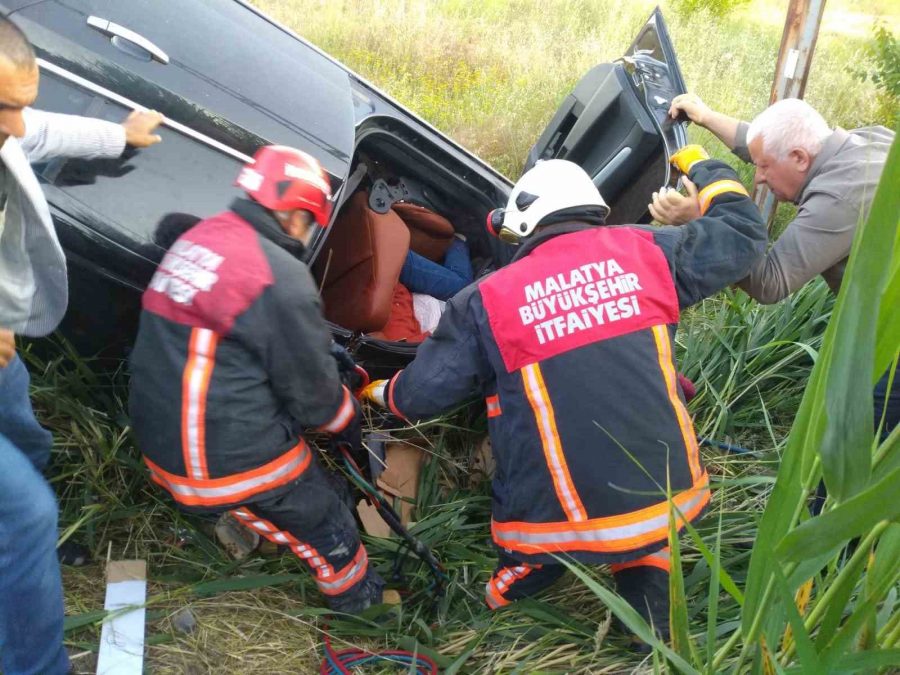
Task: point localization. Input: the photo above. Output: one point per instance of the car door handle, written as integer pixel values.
(114, 31)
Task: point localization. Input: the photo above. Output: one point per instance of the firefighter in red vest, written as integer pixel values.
(571, 347)
(232, 363)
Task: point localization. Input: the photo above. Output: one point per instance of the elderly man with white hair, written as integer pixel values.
(830, 174)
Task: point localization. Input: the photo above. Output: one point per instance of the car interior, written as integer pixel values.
(389, 208)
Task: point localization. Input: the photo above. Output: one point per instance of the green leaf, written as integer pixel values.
(712, 612)
(842, 642)
(809, 658)
(851, 519)
(244, 583)
(870, 660)
(680, 627)
(847, 442)
(81, 620)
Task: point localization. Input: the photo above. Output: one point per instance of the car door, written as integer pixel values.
(215, 65)
(615, 124)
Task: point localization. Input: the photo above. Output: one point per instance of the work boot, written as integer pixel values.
(370, 591)
(72, 554)
(238, 540)
(645, 588)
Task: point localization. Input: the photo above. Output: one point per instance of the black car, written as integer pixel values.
(229, 79)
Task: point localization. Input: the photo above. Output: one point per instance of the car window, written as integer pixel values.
(124, 198)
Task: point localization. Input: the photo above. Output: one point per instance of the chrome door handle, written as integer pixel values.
(114, 30)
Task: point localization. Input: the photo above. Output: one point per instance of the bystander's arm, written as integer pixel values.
(52, 135)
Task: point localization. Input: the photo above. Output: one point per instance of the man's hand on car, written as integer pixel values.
(692, 106)
(139, 127)
(670, 207)
(7, 347)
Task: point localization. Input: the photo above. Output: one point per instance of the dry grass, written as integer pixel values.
(490, 74)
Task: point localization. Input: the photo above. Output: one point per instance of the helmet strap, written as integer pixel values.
(594, 215)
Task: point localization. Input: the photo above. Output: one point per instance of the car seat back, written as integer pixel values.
(360, 264)
(430, 233)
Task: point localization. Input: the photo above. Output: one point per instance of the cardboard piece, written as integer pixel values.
(404, 464)
(372, 522)
(399, 483)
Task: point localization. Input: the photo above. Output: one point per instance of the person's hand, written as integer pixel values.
(375, 393)
(691, 105)
(687, 156)
(139, 127)
(7, 347)
(670, 207)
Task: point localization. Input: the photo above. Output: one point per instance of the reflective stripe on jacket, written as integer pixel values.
(571, 345)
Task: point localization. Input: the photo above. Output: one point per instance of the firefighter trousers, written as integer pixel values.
(643, 582)
(314, 521)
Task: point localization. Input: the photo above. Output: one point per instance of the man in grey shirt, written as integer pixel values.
(830, 174)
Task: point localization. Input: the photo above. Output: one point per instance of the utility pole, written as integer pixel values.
(798, 42)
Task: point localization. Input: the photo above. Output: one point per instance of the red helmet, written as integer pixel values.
(286, 179)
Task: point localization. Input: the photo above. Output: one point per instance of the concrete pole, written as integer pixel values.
(798, 42)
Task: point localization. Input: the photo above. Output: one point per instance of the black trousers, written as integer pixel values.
(314, 520)
(643, 582)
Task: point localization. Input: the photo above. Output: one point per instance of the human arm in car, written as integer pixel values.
(722, 245)
(730, 130)
(449, 368)
(52, 135)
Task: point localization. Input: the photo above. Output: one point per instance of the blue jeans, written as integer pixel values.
(31, 602)
(442, 281)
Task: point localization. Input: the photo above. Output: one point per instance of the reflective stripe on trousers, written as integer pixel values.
(502, 580)
(329, 580)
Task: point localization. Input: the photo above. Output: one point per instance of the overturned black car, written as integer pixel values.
(399, 184)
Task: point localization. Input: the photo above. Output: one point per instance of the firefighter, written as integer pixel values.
(232, 363)
(571, 347)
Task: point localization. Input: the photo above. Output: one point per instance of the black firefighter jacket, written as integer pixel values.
(231, 363)
(571, 346)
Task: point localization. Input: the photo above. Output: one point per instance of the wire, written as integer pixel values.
(722, 445)
(393, 520)
(339, 662)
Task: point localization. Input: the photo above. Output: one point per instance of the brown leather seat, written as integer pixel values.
(430, 234)
(360, 264)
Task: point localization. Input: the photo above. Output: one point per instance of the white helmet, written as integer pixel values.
(552, 191)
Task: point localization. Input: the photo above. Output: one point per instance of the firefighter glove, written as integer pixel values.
(689, 155)
(375, 393)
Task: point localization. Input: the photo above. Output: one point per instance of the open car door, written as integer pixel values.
(615, 124)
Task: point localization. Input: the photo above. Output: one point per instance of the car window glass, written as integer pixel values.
(125, 197)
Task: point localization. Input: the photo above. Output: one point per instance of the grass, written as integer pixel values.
(490, 75)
